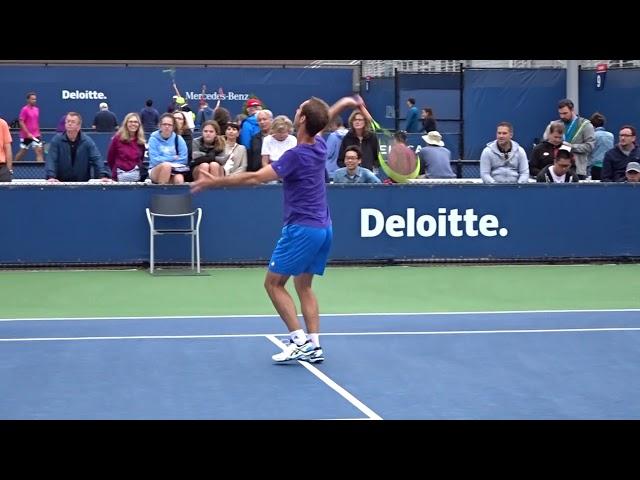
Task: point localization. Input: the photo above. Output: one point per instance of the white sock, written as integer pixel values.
(315, 339)
(298, 337)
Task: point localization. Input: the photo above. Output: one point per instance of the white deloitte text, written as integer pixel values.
(447, 223)
(83, 95)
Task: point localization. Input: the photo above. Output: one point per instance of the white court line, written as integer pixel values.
(334, 419)
(341, 391)
(373, 314)
(250, 335)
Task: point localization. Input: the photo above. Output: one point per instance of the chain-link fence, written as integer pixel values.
(387, 68)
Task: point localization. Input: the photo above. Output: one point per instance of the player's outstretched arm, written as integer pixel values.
(206, 180)
(354, 101)
(366, 113)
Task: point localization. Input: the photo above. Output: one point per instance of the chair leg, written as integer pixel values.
(193, 239)
(198, 248)
(151, 258)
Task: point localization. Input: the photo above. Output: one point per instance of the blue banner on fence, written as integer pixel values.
(107, 224)
(125, 89)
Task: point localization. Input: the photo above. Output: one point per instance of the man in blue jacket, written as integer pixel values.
(412, 117)
(73, 156)
(250, 125)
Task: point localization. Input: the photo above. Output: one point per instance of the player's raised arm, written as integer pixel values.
(354, 101)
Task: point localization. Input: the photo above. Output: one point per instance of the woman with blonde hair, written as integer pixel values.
(182, 129)
(125, 155)
(280, 140)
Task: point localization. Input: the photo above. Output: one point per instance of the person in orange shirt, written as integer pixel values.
(6, 156)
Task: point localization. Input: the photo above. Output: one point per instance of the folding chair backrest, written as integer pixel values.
(171, 204)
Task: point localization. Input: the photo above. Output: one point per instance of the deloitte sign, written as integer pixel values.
(83, 95)
(447, 223)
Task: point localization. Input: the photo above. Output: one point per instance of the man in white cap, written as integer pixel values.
(435, 159)
(633, 172)
(105, 121)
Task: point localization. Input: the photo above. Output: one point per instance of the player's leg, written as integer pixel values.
(274, 284)
(24, 146)
(311, 314)
(289, 258)
(39, 152)
(308, 299)
(308, 302)
(298, 345)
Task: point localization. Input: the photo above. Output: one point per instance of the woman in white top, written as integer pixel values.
(280, 140)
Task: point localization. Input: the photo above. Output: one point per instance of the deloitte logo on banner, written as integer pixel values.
(191, 95)
(447, 223)
(83, 95)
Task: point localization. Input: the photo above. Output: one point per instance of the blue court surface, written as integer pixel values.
(490, 365)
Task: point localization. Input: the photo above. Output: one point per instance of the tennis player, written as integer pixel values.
(303, 249)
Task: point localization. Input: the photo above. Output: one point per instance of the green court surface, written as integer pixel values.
(401, 289)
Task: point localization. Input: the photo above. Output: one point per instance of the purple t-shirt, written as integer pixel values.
(305, 193)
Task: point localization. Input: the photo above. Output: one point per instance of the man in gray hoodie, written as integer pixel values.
(503, 160)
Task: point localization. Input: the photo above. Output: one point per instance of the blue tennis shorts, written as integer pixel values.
(301, 249)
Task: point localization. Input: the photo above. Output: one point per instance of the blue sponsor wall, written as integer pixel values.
(527, 98)
(379, 97)
(126, 89)
(438, 91)
(107, 224)
(618, 101)
(441, 93)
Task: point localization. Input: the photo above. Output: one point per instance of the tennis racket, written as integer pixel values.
(402, 160)
(220, 95)
(202, 95)
(401, 163)
(172, 75)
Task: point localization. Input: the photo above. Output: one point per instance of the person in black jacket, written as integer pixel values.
(616, 160)
(361, 134)
(545, 152)
(560, 171)
(428, 120)
(73, 156)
